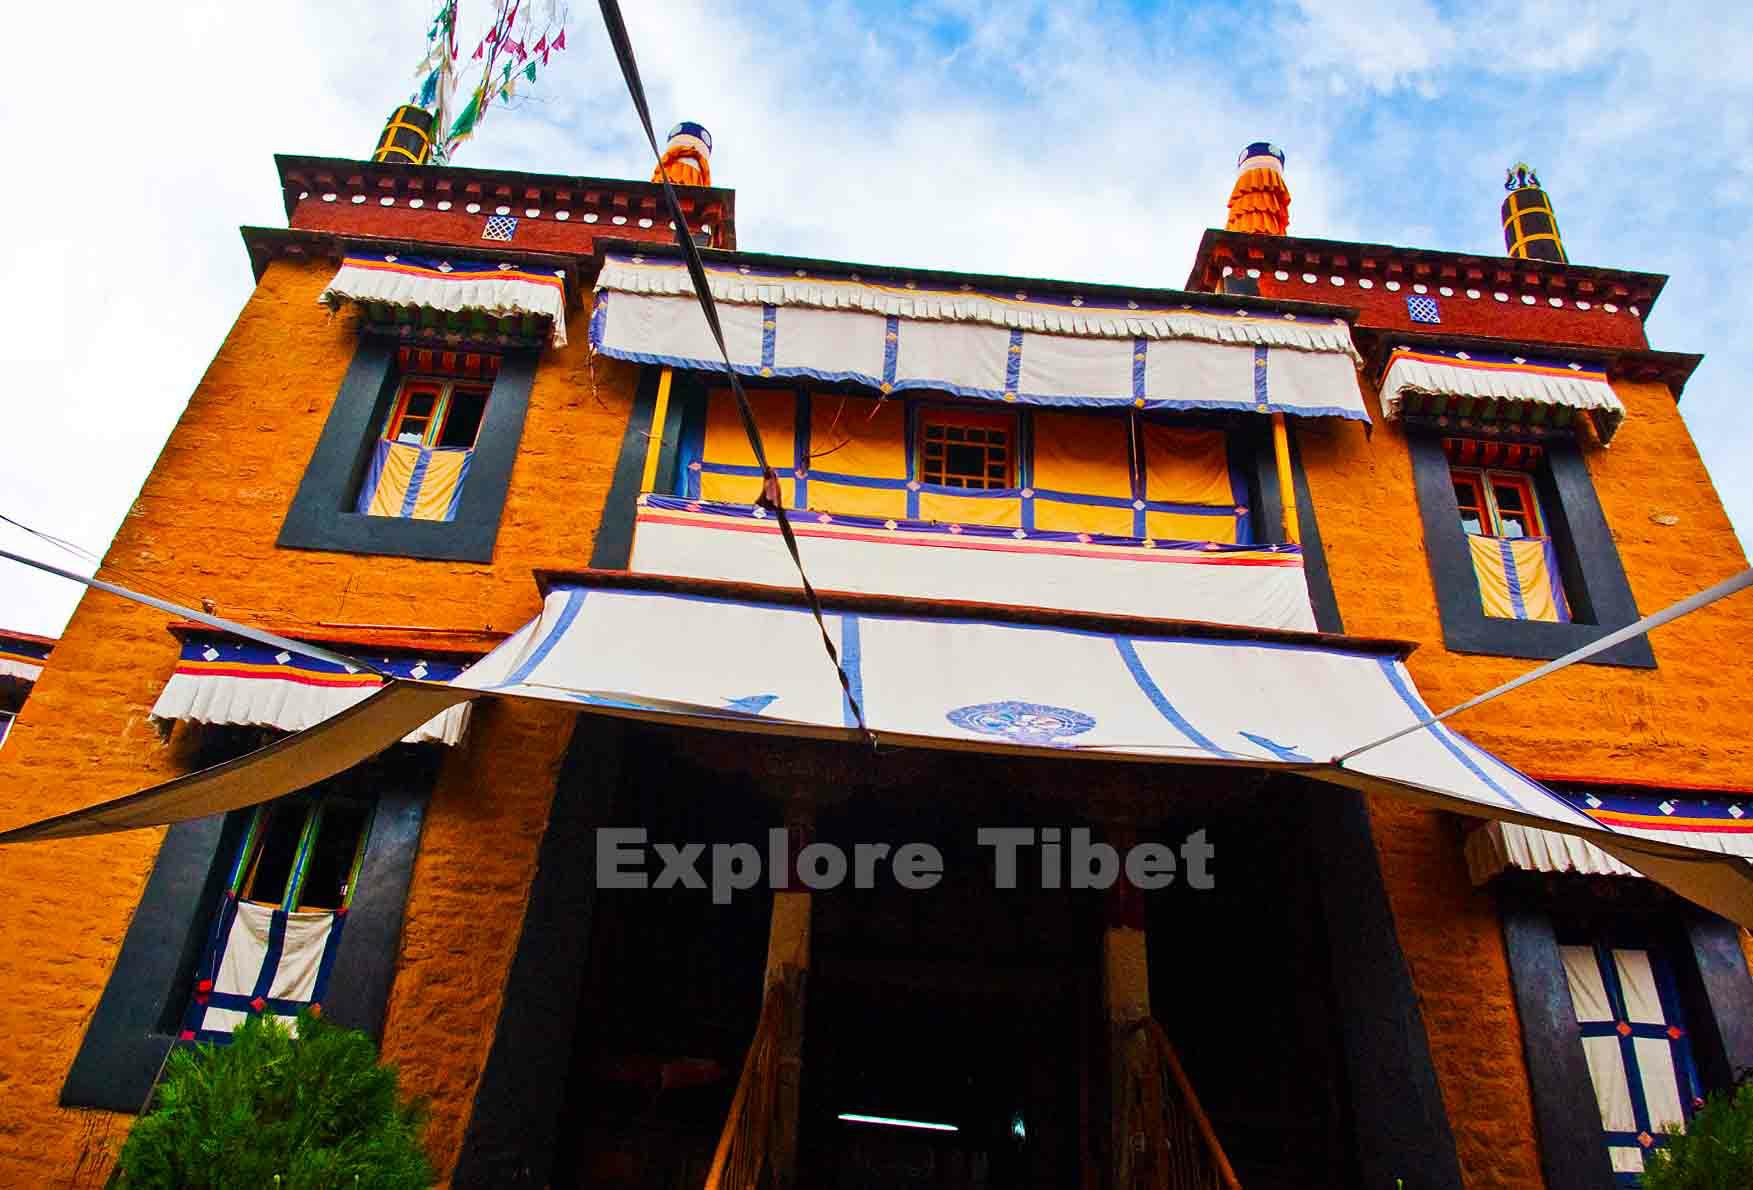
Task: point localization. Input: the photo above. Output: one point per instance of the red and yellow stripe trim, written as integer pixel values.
(411, 270)
(1585, 372)
(283, 673)
(1672, 822)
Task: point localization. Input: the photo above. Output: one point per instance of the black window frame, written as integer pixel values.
(1715, 988)
(322, 515)
(1594, 578)
(137, 1020)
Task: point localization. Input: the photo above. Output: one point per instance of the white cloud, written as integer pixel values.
(1028, 138)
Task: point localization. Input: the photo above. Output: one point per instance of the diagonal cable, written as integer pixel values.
(771, 497)
(188, 613)
(1655, 620)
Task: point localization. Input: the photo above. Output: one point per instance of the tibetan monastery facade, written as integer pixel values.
(1137, 562)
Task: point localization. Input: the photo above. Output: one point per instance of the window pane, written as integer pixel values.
(331, 857)
(1467, 496)
(420, 404)
(1512, 525)
(1509, 497)
(1471, 523)
(965, 460)
(963, 456)
(276, 848)
(463, 422)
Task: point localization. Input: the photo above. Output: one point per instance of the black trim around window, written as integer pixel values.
(1565, 1113)
(1715, 989)
(322, 516)
(1594, 579)
(139, 1015)
(613, 548)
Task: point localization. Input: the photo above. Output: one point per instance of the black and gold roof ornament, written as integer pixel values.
(1530, 229)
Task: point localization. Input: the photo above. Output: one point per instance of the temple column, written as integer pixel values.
(1125, 992)
(788, 963)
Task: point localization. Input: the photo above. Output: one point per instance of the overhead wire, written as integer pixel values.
(304, 648)
(772, 498)
(1684, 607)
(95, 560)
(71, 547)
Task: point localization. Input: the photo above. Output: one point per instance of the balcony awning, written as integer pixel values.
(1469, 385)
(22, 660)
(1723, 825)
(1035, 349)
(505, 296)
(981, 678)
(242, 684)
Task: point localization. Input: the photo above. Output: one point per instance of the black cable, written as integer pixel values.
(771, 496)
(71, 547)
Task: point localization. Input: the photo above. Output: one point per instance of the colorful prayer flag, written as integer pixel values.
(529, 72)
(469, 116)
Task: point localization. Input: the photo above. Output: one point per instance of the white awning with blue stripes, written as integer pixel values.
(1042, 348)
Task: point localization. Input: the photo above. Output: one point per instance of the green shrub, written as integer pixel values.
(1714, 1153)
(312, 1113)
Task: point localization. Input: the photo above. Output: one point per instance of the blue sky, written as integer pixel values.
(1079, 141)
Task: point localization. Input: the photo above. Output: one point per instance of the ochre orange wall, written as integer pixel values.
(204, 526)
(1683, 722)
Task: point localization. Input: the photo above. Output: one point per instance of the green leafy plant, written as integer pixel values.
(315, 1112)
(1714, 1153)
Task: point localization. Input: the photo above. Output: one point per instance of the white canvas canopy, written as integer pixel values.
(994, 682)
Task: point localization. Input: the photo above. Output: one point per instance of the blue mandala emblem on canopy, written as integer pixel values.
(1030, 723)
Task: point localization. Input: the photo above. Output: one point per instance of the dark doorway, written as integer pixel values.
(966, 1007)
(1241, 984)
(672, 990)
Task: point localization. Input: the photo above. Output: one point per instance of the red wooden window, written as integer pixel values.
(961, 449)
(1497, 503)
(433, 411)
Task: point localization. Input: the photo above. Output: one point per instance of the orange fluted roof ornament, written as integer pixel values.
(687, 159)
(1260, 201)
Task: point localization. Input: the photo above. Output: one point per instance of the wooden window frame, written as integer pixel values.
(1483, 481)
(443, 391)
(1595, 585)
(323, 514)
(292, 892)
(955, 417)
(138, 1017)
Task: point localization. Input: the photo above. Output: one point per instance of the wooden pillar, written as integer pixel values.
(1126, 975)
(1125, 990)
(1286, 480)
(654, 443)
(788, 959)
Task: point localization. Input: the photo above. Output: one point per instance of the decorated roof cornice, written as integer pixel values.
(586, 200)
(266, 244)
(1672, 368)
(1543, 280)
(1048, 290)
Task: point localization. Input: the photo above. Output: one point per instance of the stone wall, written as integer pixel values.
(1682, 723)
(204, 527)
